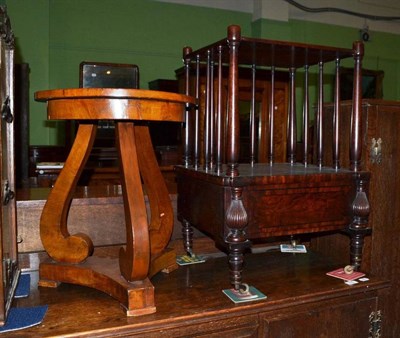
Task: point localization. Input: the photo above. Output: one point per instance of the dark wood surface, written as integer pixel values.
(9, 270)
(279, 200)
(381, 119)
(301, 300)
(21, 105)
(282, 54)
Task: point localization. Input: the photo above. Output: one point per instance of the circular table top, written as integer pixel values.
(114, 104)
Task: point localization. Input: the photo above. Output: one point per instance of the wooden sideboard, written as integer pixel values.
(381, 144)
(301, 302)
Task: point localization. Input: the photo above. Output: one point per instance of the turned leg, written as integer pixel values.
(356, 247)
(187, 236)
(358, 229)
(236, 221)
(236, 258)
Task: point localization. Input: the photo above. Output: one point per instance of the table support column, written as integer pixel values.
(134, 260)
(59, 244)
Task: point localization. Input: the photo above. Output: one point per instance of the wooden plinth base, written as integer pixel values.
(102, 273)
(165, 262)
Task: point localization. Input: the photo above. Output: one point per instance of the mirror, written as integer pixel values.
(108, 75)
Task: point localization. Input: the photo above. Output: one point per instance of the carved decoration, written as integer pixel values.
(5, 28)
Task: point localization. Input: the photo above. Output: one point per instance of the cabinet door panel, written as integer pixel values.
(9, 271)
(337, 320)
(238, 327)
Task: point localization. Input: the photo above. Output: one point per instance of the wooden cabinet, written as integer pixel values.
(381, 144)
(302, 302)
(328, 319)
(9, 271)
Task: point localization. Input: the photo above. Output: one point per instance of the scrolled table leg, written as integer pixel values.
(134, 260)
(59, 244)
(162, 215)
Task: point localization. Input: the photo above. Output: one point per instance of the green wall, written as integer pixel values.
(54, 36)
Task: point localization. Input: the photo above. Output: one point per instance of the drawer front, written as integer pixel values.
(244, 326)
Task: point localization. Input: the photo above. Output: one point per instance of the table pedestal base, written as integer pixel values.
(102, 273)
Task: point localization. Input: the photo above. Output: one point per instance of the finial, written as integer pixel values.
(234, 32)
(186, 50)
(358, 47)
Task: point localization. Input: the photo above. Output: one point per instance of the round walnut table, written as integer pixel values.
(126, 278)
